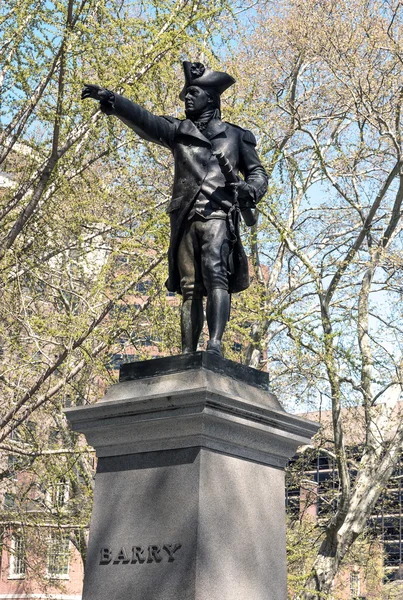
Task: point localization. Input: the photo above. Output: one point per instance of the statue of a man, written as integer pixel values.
(205, 256)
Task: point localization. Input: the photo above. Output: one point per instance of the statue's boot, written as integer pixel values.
(191, 324)
(218, 305)
(214, 347)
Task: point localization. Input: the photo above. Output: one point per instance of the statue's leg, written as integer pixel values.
(218, 304)
(191, 287)
(215, 250)
(191, 323)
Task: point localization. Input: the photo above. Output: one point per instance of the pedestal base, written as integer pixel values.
(187, 524)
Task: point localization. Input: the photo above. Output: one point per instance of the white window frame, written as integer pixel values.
(355, 584)
(17, 557)
(12, 458)
(57, 495)
(54, 555)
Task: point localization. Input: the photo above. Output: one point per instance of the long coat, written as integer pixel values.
(196, 168)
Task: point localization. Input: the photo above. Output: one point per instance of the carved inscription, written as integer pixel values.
(139, 554)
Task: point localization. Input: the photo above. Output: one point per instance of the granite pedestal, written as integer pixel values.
(189, 491)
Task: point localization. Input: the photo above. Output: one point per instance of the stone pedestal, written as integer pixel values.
(189, 491)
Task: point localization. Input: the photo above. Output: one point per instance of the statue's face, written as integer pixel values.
(196, 100)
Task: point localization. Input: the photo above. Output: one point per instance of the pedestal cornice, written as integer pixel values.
(192, 401)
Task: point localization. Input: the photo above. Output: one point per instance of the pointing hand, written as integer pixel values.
(97, 92)
(105, 97)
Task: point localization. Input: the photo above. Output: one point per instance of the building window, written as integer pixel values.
(58, 495)
(58, 556)
(17, 557)
(54, 437)
(12, 461)
(143, 286)
(355, 585)
(117, 360)
(9, 500)
(147, 341)
(24, 433)
(15, 435)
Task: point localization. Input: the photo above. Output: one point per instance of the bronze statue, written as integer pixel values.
(206, 257)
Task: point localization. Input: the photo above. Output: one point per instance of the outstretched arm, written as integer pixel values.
(160, 130)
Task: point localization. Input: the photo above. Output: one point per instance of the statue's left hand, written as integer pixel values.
(245, 193)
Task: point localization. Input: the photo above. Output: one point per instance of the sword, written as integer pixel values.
(248, 214)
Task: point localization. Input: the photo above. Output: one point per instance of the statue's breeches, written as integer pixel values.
(203, 255)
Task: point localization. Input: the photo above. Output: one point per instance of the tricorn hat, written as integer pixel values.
(197, 74)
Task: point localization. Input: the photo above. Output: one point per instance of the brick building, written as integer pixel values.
(313, 494)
